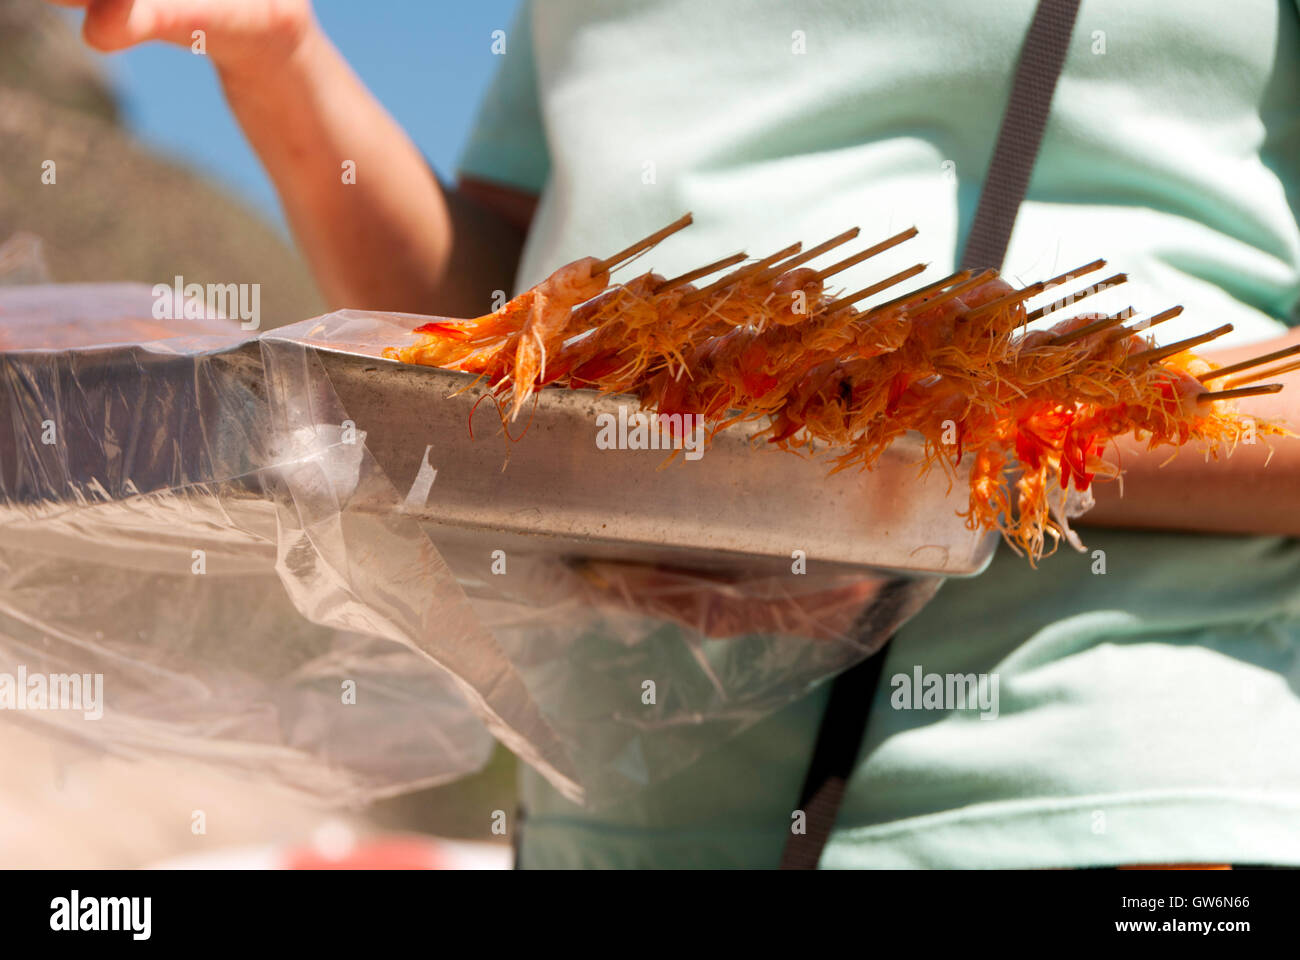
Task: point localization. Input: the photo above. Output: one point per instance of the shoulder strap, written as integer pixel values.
(844, 724)
(839, 738)
(1041, 60)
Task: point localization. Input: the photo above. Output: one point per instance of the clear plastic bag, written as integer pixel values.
(231, 455)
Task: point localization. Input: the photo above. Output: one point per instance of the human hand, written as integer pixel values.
(247, 38)
(721, 606)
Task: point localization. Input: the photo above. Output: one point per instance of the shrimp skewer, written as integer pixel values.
(538, 309)
(1032, 413)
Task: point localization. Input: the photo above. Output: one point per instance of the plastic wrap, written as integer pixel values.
(137, 545)
(206, 533)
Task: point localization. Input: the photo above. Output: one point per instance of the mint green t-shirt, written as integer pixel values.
(1149, 713)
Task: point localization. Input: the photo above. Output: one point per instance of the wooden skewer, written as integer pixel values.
(934, 299)
(976, 281)
(1073, 274)
(1229, 370)
(744, 273)
(874, 288)
(953, 285)
(1074, 298)
(817, 251)
(1034, 289)
(1237, 392)
(1010, 299)
(643, 244)
(867, 254)
(1265, 374)
(1159, 353)
(1145, 324)
(704, 271)
(1097, 326)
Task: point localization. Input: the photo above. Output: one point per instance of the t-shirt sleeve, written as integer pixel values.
(507, 144)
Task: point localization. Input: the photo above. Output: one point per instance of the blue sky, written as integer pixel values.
(428, 61)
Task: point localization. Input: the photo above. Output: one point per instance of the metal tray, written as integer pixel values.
(739, 507)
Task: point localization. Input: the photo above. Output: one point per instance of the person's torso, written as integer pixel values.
(1172, 149)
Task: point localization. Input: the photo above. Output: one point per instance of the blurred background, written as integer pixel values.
(157, 180)
(150, 123)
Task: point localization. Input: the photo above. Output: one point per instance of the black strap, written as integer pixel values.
(1041, 60)
(838, 740)
(845, 723)
(517, 838)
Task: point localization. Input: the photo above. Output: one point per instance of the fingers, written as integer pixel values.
(239, 28)
(117, 24)
(112, 25)
(721, 607)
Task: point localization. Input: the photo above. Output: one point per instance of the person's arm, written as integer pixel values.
(394, 239)
(1245, 493)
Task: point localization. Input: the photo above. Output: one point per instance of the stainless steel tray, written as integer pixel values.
(740, 507)
(740, 504)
